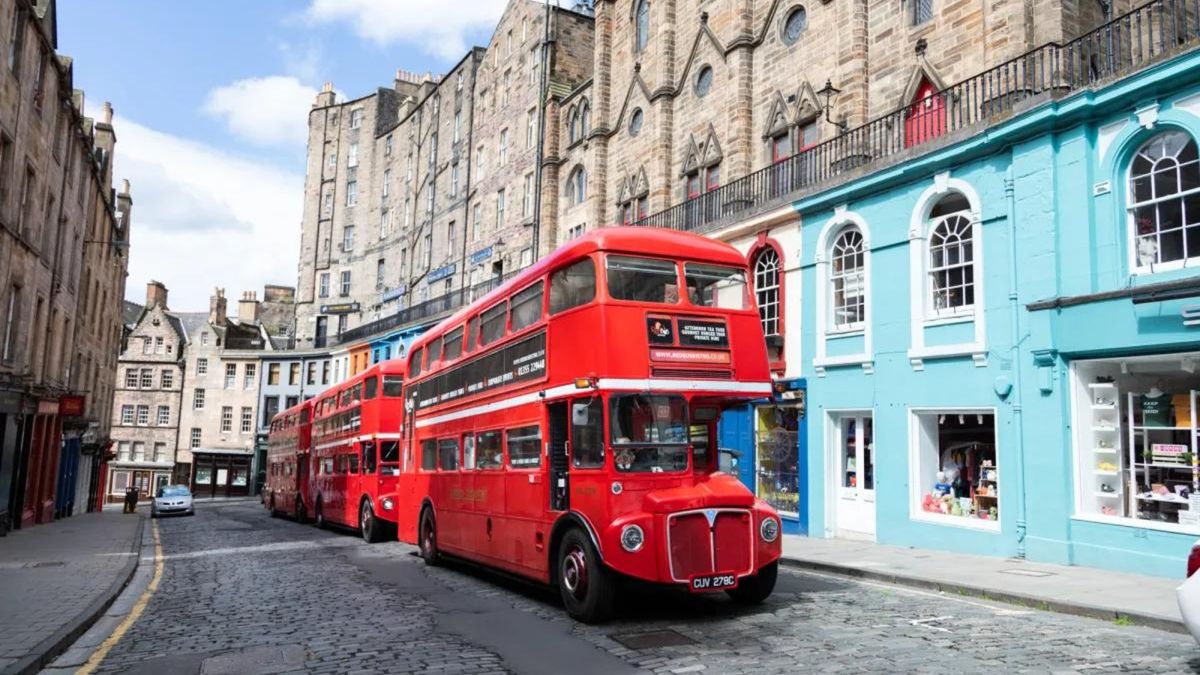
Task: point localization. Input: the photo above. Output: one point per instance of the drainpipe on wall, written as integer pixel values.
(1010, 201)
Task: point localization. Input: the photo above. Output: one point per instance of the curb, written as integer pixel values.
(48, 649)
(1021, 599)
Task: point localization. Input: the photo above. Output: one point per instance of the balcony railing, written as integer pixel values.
(1128, 42)
(420, 312)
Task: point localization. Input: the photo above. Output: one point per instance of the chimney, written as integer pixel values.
(106, 140)
(156, 294)
(124, 207)
(217, 308)
(248, 307)
(326, 97)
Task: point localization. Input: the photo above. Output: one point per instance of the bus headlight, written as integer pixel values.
(632, 538)
(769, 529)
(388, 504)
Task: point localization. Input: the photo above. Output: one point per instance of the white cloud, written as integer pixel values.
(435, 26)
(203, 217)
(264, 110)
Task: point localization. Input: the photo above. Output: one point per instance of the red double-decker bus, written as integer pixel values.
(564, 427)
(356, 451)
(289, 443)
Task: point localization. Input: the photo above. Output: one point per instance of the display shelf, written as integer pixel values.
(1102, 385)
(1107, 495)
(1103, 406)
(1098, 472)
(1165, 499)
(1105, 451)
(1162, 465)
(1145, 428)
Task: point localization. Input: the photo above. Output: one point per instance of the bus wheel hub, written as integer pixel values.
(575, 572)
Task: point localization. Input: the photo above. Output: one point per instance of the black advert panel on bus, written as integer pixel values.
(517, 362)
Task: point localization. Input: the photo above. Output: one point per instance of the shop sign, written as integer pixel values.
(10, 401)
(481, 255)
(702, 334)
(441, 273)
(394, 293)
(690, 356)
(47, 408)
(1191, 315)
(340, 308)
(71, 406)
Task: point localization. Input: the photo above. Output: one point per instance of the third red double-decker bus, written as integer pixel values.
(564, 427)
(288, 446)
(355, 440)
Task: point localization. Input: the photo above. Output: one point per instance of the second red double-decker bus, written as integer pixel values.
(356, 451)
(564, 427)
(288, 446)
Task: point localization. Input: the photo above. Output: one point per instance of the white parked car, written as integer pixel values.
(1189, 594)
(172, 499)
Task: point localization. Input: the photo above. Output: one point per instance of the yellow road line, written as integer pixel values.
(138, 607)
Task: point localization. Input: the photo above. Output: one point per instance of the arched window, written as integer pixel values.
(585, 118)
(641, 23)
(766, 289)
(847, 281)
(951, 258)
(577, 186)
(573, 125)
(1163, 181)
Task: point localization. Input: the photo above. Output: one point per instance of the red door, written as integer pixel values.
(926, 116)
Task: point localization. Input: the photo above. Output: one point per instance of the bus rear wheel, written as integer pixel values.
(319, 516)
(753, 590)
(371, 529)
(274, 513)
(586, 586)
(428, 540)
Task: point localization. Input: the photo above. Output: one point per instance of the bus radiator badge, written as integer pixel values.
(616, 488)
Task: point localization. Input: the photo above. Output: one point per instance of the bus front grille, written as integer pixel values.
(710, 540)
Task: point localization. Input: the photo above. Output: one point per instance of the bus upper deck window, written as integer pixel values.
(414, 368)
(715, 286)
(642, 279)
(453, 344)
(527, 307)
(393, 386)
(370, 387)
(491, 325)
(573, 286)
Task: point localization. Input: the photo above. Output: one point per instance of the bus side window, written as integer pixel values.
(429, 455)
(414, 368)
(573, 286)
(351, 463)
(468, 451)
(525, 447)
(587, 433)
(527, 307)
(370, 385)
(368, 457)
(448, 454)
(488, 451)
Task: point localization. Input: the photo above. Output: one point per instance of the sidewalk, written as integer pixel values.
(56, 579)
(1084, 591)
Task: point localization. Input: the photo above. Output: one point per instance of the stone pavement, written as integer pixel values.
(57, 578)
(1084, 591)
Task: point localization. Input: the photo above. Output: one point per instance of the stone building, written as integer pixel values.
(64, 236)
(427, 187)
(217, 429)
(146, 403)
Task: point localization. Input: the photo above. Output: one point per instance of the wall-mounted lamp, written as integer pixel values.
(829, 92)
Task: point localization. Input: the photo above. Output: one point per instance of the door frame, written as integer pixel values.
(833, 464)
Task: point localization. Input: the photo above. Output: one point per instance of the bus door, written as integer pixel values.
(557, 448)
(588, 484)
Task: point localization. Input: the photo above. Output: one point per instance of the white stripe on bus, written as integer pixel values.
(604, 383)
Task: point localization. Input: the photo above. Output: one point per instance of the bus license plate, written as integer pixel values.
(706, 583)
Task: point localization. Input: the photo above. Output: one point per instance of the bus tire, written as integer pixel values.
(369, 526)
(274, 513)
(428, 539)
(587, 587)
(754, 589)
(300, 515)
(319, 515)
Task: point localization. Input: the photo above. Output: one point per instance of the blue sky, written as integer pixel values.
(211, 102)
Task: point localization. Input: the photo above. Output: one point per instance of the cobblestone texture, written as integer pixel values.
(235, 579)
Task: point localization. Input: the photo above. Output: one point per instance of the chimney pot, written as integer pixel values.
(108, 112)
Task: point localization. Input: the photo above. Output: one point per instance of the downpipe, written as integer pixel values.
(1010, 200)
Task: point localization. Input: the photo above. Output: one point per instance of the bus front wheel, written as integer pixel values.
(371, 529)
(319, 515)
(301, 517)
(755, 589)
(429, 551)
(586, 585)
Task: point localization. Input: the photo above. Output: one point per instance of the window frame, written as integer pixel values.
(849, 250)
(965, 309)
(1180, 196)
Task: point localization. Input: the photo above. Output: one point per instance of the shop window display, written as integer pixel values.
(1137, 438)
(958, 474)
(777, 445)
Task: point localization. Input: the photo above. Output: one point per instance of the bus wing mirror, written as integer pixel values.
(579, 414)
(728, 459)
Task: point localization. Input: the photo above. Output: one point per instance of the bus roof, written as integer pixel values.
(635, 240)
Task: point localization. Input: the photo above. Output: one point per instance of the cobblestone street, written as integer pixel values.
(242, 592)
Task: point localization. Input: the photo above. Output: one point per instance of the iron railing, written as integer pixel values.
(422, 311)
(1130, 41)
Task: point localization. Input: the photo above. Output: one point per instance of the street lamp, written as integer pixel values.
(829, 92)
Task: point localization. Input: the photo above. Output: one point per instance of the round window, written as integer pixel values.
(794, 24)
(704, 80)
(635, 122)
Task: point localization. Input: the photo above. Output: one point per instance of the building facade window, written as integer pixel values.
(273, 373)
(247, 419)
(500, 208)
(847, 281)
(323, 285)
(641, 25)
(794, 24)
(194, 439)
(351, 193)
(356, 118)
(530, 128)
(704, 81)
(226, 419)
(127, 415)
(577, 186)
(951, 272)
(527, 197)
(636, 119)
(164, 416)
(957, 478)
(251, 374)
(230, 375)
(201, 366)
(1164, 179)
(131, 378)
(767, 277)
(922, 11)
(293, 373)
(198, 399)
(345, 289)
(503, 147)
(147, 378)
(167, 379)
(352, 156)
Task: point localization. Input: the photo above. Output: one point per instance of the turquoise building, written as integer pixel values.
(996, 320)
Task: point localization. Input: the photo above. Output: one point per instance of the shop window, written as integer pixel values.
(951, 272)
(1136, 439)
(847, 280)
(954, 459)
(1164, 201)
(778, 454)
